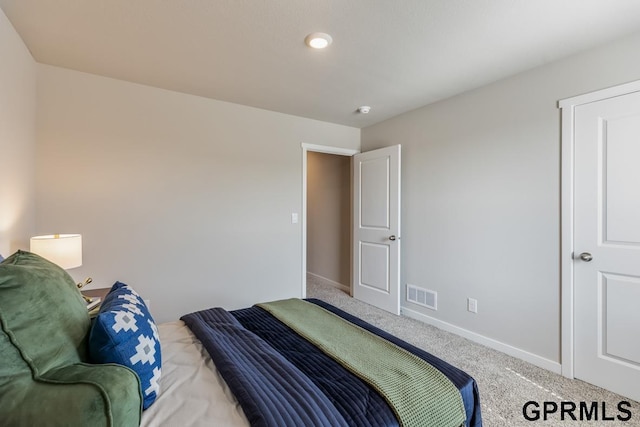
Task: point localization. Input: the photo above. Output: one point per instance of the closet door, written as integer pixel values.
(607, 243)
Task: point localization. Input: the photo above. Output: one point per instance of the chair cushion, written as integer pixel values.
(125, 333)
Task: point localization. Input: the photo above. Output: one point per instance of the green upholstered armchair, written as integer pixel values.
(44, 377)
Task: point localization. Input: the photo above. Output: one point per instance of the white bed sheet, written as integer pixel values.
(192, 392)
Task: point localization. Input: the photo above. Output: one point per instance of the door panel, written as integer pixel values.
(374, 197)
(374, 266)
(622, 152)
(376, 228)
(620, 318)
(607, 226)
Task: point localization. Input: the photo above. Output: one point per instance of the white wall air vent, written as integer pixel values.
(423, 297)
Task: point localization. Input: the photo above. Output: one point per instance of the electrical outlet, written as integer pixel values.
(472, 305)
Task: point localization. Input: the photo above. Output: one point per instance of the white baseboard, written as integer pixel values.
(330, 282)
(541, 362)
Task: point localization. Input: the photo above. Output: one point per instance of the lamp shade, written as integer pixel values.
(62, 249)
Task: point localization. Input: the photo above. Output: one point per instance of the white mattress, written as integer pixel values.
(192, 392)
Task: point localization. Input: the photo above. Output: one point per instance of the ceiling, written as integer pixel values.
(393, 55)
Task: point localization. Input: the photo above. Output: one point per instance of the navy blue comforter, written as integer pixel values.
(281, 380)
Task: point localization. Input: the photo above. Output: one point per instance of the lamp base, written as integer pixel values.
(85, 283)
(82, 285)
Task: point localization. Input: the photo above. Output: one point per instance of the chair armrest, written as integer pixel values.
(77, 395)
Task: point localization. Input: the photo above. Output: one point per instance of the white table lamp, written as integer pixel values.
(64, 250)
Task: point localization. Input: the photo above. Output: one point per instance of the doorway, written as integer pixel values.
(329, 220)
(329, 264)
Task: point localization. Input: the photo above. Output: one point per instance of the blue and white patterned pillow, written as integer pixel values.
(124, 333)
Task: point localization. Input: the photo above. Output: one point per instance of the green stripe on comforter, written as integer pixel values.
(418, 393)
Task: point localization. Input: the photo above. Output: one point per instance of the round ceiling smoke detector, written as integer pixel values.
(318, 40)
(364, 109)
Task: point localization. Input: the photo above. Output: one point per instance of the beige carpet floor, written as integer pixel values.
(506, 384)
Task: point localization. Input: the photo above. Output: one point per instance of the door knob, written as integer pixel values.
(392, 237)
(586, 256)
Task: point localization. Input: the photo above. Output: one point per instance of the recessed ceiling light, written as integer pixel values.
(364, 109)
(318, 40)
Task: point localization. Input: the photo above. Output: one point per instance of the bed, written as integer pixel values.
(283, 363)
(189, 375)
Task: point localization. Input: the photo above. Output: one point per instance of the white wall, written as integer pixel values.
(187, 199)
(329, 217)
(481, 197)
(17, 140)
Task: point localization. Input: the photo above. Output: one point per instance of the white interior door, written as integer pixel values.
(607, 244)
(376, 228)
